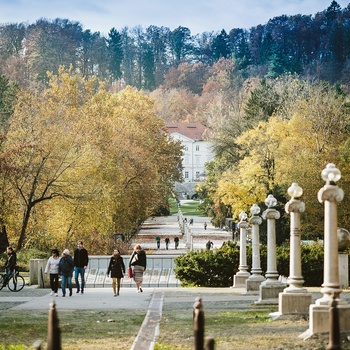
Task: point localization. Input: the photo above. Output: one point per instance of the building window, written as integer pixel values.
(197, 174)
(186, 174)
(187, 160)
(198, 160)
(197, 148)
(186, 148)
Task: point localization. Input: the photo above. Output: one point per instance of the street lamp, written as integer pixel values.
(271, 215)
(242, 275)
(294, 207)
(330, 194)
(256, 278)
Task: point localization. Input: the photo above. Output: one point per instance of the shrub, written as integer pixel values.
(217, 268)
(208, 268)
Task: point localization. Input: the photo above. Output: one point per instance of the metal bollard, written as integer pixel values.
(54, 333)
(198, 323)
(334, 328)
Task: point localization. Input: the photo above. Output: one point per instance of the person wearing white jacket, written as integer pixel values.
(52, 268)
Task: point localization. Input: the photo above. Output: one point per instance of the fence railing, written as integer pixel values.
(159, 272)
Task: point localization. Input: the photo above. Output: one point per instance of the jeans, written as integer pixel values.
(7, 276)
(81, 271)
(66, 280)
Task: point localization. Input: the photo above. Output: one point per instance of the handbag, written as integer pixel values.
(130, 272)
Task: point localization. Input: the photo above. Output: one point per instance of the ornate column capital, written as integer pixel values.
(271, 214)
(255, 220)
(243, 224)
(330, 193)
(295, 206)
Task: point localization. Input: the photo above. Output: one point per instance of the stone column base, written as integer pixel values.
(239, 281)
(292, 304)
(269, 293)
(319, 319)
(253, 285)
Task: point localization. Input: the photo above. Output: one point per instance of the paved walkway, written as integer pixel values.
(152, 299)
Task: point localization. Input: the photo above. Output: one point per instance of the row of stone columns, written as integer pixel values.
(292, 297)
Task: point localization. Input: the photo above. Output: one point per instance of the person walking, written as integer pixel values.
(10, 264)
(167, 241)
(176, 240)
(205, 225)
(65, 270)
(52, 268)
(138, 261)
(81, 260)
(158, 242)
(209, 245)
(117, 269)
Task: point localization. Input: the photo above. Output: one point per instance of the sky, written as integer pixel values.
(197, 15)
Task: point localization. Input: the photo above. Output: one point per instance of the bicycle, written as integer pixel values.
(15, 283)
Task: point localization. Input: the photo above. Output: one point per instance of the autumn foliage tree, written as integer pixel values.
(83, 162)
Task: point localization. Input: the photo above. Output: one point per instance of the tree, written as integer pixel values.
(115, 50)
(221, 46)
(179, 44)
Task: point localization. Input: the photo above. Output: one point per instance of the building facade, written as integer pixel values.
(197, 151)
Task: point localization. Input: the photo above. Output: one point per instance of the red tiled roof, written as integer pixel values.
(194, 131)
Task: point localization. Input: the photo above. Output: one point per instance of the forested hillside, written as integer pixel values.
(316, 46)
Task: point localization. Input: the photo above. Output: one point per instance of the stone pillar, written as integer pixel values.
(242, 275)
(254, 281)
(295, 299)
(271, 287)
(330, 194)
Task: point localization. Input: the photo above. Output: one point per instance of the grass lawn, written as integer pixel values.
(189, 207)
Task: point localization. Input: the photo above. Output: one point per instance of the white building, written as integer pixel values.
(197, 149)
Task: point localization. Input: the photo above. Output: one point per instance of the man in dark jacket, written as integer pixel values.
(10, 264)
(65, 270)
(81, 260)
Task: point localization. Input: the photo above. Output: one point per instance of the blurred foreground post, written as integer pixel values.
(54, 333)
(198, 324)
(334, 328)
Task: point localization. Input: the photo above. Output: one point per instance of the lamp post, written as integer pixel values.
(243, 274)
(294, 299)
(271, 215)
(294, 207)
(271, 287)
(330, 194)
(253, 282)
(319, 320)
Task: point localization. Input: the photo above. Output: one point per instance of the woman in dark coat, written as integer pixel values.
(138, 262)
(117, 269)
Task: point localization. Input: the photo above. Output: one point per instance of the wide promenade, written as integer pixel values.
(154, 300)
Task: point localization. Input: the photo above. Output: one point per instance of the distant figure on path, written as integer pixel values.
(191, 221)
(205, 226)
(176, 240)
(209, 245)
(167, 241)
(158, 242)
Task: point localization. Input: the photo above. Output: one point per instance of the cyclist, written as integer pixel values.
(10, 264)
